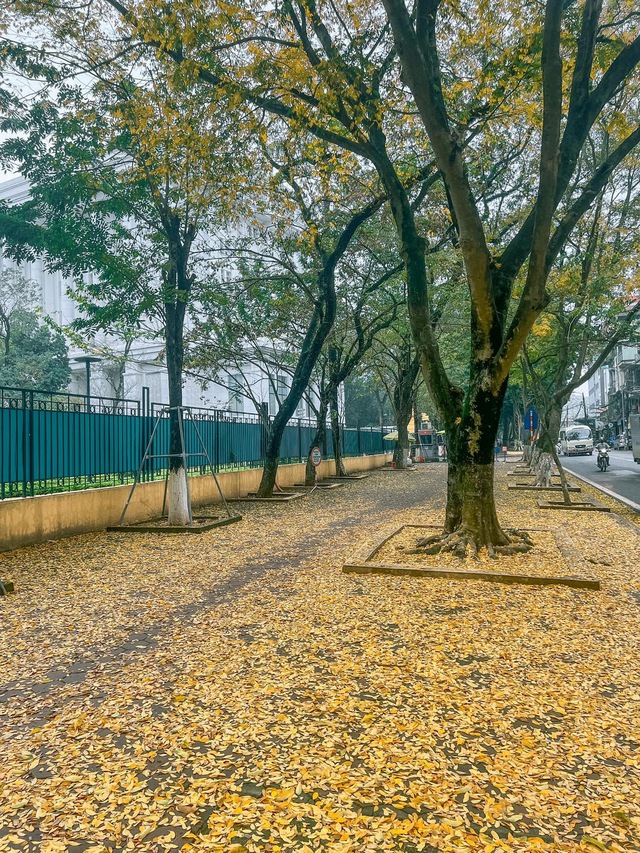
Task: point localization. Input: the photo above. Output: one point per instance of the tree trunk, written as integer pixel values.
(566, 496)
(551, 421)
(543, 474)
(401, 450)
(270, 470)
(471, 509)
(471, 420)
(336, 431)
(7, 333)
(319, 328)
(550, 433)
(310, 476)
(272, 456)
(177, 486)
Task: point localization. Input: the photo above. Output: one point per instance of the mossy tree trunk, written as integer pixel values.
(471, 509)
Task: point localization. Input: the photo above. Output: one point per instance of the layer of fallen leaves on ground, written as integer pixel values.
(233, 691)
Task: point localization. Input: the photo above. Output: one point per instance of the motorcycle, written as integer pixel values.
(603, 458)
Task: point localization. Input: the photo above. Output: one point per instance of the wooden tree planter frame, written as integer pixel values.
(362, 563)
(579, 506)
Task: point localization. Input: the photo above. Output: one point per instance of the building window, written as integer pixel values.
(277, 393)
(236, 397)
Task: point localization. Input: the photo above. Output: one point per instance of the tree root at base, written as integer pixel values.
(462, 543)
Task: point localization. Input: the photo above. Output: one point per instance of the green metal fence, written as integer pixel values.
(63, 442)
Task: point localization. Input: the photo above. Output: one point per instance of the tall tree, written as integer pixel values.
(126, 176)
(591, 291)
(369, 296)
(285, 297)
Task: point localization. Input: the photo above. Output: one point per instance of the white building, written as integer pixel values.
(614, 389)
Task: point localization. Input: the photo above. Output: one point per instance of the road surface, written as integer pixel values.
(621, 479)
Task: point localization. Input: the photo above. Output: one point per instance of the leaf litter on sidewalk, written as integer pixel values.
(239, 694)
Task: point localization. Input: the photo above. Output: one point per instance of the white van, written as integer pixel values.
(576, 440)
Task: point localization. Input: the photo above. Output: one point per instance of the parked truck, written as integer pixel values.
(635, 437)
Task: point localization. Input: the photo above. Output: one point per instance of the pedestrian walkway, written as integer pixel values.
(235, 691)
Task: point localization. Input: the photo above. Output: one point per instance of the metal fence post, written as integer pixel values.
(145, 432)
(216, 416)
(24, 444)
(31, 440)
(359, 440)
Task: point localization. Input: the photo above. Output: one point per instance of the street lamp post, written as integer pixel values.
(87, 360)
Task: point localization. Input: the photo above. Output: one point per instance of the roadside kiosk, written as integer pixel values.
(430, 445)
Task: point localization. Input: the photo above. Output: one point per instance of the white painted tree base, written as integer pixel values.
(178, 498)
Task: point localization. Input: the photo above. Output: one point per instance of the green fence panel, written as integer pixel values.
(57, 442)
(350, 442)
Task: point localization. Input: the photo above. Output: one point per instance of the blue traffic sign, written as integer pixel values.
(531, 419)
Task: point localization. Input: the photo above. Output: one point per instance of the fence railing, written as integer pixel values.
(64, 442)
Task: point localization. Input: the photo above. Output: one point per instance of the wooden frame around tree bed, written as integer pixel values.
(362, 563)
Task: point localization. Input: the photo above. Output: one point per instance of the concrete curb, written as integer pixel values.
(628, 503)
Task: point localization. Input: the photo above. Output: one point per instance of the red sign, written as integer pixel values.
(315, 456)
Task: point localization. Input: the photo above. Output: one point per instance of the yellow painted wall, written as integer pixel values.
(26, 521)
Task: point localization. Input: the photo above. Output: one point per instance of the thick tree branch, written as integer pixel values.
(420, 68)
(588, 195)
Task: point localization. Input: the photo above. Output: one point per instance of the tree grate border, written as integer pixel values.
(530, 487)
(280, 498)
(579, 506)
(529, 473)
(149, 527)
(321, 485)
(362, 563)
(347, 477)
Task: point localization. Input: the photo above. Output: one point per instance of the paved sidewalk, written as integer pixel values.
(234, 691)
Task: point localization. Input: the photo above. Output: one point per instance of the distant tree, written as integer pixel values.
(593, 303)
(365, 402)
(397, 366)
(286, 294)
(16, 294)
(31, 354)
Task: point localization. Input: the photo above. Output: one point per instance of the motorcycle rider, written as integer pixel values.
(602, 445)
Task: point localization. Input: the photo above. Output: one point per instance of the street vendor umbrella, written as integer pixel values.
(393, 436)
